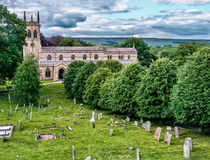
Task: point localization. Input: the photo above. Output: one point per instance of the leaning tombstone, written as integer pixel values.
(148, 126)
(168, 137)
(157, 134)
(186, 150)
(176, 130)
(189, 141)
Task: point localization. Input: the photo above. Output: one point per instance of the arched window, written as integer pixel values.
(47, 73)
(49, 57)
(120, 56)
(73, 57)
(60, 57)
(35, 34)
(29, 33)
(84, 57)
(109, 57)
(96, 57)
(129, 57)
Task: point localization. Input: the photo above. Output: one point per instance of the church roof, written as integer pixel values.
(88, 49)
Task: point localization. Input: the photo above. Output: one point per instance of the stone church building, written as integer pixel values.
(54, 60)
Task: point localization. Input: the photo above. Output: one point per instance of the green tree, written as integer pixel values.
(124, 88)
(153, 95)
(27, 84)
(12, 39)
(185, 50)
(113, 65)
(190, 100)
(70, 75)
(144, 56)
(69, 42)
(78, 86)
(91, 95)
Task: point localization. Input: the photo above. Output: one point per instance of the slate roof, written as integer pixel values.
(88, 49)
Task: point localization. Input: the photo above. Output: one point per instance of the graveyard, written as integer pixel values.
(52, 129)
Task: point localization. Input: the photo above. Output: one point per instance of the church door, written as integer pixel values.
(60, 74)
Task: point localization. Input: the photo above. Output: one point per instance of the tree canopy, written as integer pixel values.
(70, 75)
(190, 101)
(91, 95)
(12, 39)
(27, 82)
(79, 83)
(144, 56)
(153, 95)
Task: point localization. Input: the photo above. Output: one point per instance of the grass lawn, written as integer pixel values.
(96, 143)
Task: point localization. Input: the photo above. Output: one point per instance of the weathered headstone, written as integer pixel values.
(157, 134)
(148, 126)
(189, 141)
(20, 124)
(73, 153)
(24, 107)
(168, 137)
(31, 116)
(111, 130)
(127, 119)
(168, 128)
(26, 114)
(131, 148)
(176, 130)
(142, 120)
(138, 156)
(136, 123)
(88, 158)
(186, 150)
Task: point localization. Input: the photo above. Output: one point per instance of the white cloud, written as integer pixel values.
(180, 2)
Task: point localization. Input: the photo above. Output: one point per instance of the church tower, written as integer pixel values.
(33, 36)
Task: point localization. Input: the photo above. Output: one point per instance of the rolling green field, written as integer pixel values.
(88, 141)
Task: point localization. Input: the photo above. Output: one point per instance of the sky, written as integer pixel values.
(184, 19)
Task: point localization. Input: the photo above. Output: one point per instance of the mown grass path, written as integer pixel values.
(96, 143)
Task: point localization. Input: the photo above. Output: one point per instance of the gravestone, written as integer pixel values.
(142, 120)
(148, 126)
(127, 119)
(168, 137)
(16, 108)
(24, 107)
(26, 114)
(45, 137)
(20, 124)
(144, 125)
(88, 158)
(189, 141)
(176, 130)
(138, 156)
(73, 153)
(186, 150)
(69, 128)
(111, 120)
(157, 134)
(6, 131)
(168, 128)
(136, 123)
(111, 130)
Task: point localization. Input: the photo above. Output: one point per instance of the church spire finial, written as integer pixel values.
(38, 19)
(24, 16)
